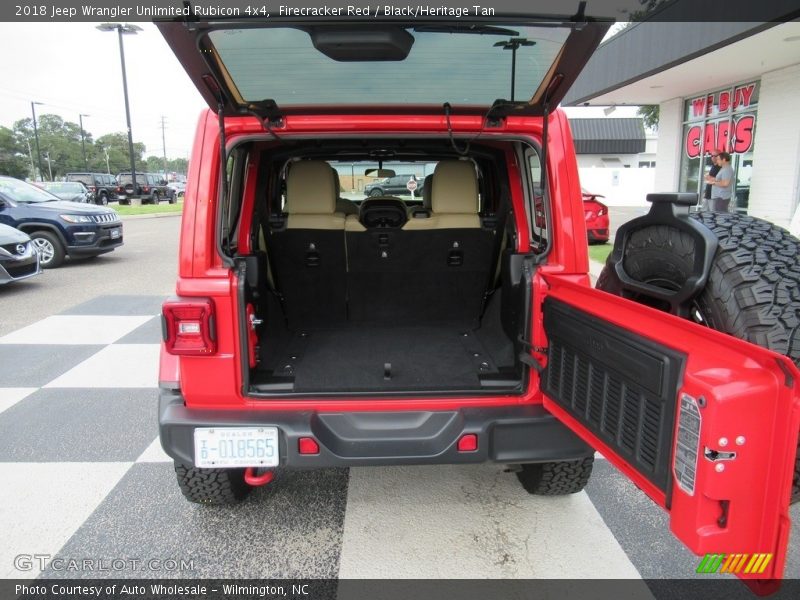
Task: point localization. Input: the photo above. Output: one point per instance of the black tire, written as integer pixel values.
(753, 290)
(173, 198)
(556, 478)
(102, 200)
(51, 250)
(155, 199)
(376, 192)
(212, 486)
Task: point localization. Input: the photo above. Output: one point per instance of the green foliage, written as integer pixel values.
(649, 114)
(61, 141)
(13, 155)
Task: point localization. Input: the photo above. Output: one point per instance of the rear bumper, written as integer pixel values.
(512, 434)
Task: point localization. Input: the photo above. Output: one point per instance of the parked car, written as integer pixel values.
(58, 228)
(72, 191)
(397, 185)
(178, 188)
(151, 188)
(306, 339)
(597, 219)
(18, 256)
(102, 185)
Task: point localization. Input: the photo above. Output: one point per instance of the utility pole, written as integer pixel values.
(164, 146)
(83, 142)
(30, 155)
(36, 137)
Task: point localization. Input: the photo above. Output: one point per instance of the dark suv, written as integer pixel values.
(102, 185)
(57, 228)
(393, 186)
(307, 338)
(150, 187)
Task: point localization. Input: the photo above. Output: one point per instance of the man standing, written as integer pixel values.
(721, 184)
(712, 172)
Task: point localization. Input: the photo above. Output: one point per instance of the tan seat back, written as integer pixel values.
(311, 196)
(454, 198)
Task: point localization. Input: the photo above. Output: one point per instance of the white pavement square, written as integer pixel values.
(115, 366)
(10, 396)
(466, 521)
(75, 329)
(43, 504)
(154, 453)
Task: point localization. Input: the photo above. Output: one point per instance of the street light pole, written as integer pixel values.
(36, 137)
(83, 142)
(513, 44)
(49, 166)
(132, 30)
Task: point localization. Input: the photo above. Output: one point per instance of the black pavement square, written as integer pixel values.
(290, 528)
(125, 306)
(147, 333)
(79, 425)
(35, 365)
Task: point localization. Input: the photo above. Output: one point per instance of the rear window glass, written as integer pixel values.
(84, 179)
(359, 180)
(455, 65)
(124, 179)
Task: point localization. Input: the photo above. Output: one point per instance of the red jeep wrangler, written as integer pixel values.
(316, 327)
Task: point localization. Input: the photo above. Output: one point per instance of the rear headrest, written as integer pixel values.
(455, 188)
(310, 189)
(426, 191)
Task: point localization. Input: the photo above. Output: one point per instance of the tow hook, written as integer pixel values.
(251, 478)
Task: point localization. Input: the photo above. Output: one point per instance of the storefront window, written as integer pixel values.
(724, 120)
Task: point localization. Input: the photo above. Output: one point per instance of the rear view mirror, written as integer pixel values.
(382, 173)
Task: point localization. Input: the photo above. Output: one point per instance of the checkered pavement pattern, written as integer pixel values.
(82, 476)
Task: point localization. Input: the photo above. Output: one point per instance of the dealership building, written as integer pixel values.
(733, 86)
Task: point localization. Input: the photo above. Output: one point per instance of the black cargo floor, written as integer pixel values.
(353, 359)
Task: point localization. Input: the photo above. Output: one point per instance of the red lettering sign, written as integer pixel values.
(724, 101)
(698, 107)
(723, 135)
(743, 128)
(692, 144)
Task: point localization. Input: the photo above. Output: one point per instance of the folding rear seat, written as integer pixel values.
(306, 248)
(433, 269)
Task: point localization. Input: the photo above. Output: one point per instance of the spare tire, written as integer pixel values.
(753, 289)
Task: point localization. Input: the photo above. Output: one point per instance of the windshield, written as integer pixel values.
(19, 191)
(455, 65)
(62, 188)
(355, 184)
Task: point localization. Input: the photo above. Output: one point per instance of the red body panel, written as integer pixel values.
(216, 382)
(750, 392)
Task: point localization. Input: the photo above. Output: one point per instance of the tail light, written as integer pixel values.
(603, 211)
(146, 189)
(92, 188)
(188, 327)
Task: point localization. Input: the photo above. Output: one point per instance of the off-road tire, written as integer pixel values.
(212, 486)
(155, 199)
(102, 200)
(753, 289)
(556, 478)
(374, 193)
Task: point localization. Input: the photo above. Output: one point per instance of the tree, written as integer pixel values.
(649, 114)
(13, 156)
(116, 145)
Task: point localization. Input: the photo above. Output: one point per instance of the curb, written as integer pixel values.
(151, 216)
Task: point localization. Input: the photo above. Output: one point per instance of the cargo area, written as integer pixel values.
(387, 293)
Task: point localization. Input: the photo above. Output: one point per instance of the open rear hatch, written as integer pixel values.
(517, 64)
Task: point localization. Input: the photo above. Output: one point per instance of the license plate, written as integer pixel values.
(223, 447)
(121, 197)
(115, 233)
